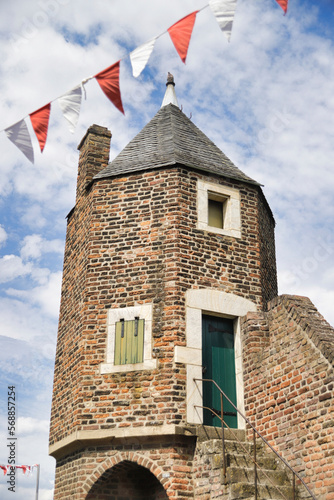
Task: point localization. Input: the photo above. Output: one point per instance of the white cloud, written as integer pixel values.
(34, 246)
(265, 99)
(33, 217)
(20, 320)
(11, 267)
(29, 425)
(46, 296)
(3, 236)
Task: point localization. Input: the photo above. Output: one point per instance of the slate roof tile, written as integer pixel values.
(171, 138)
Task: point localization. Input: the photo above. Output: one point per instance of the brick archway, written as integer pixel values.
(130, 476)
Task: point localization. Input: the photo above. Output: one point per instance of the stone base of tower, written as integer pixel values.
(181, 466)
(141, 468)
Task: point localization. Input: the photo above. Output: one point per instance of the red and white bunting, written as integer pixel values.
(283, 4)
(24, 468)
(140, 56)
(181, 32)
(4, 468)
(108, 80)
(70, 104)
(224, 11)
(19, 135)
(40, 122)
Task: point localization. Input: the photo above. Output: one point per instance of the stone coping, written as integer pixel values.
(82, 438)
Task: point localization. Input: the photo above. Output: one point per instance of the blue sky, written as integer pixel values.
(266, 99)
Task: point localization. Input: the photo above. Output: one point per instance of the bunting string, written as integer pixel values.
(25, 468)
(108, 79)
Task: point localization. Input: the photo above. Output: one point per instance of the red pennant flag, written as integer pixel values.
(40, 122)
(23, 467)
(180, 34)
(4, 468)
(283, 4)
(108, 80)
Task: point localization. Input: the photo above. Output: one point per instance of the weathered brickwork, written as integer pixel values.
(159, 468)
(68, 371)
(133, 240)
(289, 382)
(266, 226)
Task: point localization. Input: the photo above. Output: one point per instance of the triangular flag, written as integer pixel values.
(40, 122)
(108, 80)
(19, 135)
(70, 104)
(283, 4)
(4, 468)
(140, 56)
(23, 467)
(224, 12)
(180, 34)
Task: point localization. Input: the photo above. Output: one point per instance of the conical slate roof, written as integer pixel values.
(170, 138)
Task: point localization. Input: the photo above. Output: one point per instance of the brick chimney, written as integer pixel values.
(94, 155)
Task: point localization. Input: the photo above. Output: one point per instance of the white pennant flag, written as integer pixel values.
(70, 104)
(224, 11)
(140, 56)
(19, 135)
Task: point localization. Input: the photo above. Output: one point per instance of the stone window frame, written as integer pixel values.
(230, 199)
(216, 302)
(129, 313)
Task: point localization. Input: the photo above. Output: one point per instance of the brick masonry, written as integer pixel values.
(289, 382)
(133, 240)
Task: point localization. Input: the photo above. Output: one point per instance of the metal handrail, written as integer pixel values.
(255, 431)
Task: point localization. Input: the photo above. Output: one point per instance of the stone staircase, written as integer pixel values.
(272, 478)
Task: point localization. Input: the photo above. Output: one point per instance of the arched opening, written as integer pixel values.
(127, 480)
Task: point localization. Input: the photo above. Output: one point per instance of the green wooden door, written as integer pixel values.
(218, 364)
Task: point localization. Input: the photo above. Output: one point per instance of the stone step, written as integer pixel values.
(243, 460)
(234, 447)
(246, 490)
(272, 477)
(246, 475)
(206, 433)
(246, 447)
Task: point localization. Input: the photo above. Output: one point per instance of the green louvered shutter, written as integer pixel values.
(129, 342)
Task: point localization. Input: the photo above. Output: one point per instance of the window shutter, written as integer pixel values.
(129, 341)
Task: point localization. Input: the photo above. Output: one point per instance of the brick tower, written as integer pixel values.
(166, 244)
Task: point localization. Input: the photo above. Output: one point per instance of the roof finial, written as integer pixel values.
(170, 79)
(170, 95)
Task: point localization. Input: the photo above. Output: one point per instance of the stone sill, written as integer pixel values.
(82, 438)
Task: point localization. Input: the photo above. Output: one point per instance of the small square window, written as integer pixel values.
(218, 209)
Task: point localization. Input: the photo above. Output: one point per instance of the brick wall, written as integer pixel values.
(94, 150)
(130, 241)
(162, 466)
(134, 240)
(266, 226)
(289, 382)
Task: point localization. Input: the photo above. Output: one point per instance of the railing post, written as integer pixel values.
(223, 435)
(255, 465)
